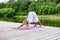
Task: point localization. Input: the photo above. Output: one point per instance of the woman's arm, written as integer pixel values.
(24, 23)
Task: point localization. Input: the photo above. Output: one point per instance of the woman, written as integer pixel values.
(31, 19)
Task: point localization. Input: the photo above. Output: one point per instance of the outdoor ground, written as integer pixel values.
(44, 33)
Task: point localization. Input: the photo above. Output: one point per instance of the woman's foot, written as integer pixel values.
(38, 25)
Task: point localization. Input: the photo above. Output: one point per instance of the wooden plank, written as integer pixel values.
(36, 36)
(43, 33)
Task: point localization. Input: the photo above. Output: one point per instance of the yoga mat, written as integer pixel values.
(27, 28)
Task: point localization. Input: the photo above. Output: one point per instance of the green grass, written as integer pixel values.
(48, 20)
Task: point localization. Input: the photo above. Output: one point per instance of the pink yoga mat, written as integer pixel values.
(27, 28)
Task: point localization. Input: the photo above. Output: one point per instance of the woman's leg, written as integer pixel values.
(35, 24)
(39, 23)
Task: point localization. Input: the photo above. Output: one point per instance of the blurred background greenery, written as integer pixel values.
(48, 11)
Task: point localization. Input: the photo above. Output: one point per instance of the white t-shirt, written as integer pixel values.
(32, 17)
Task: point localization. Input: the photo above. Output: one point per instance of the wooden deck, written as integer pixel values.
(44, 33)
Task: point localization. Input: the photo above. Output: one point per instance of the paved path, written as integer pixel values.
(44, 33)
